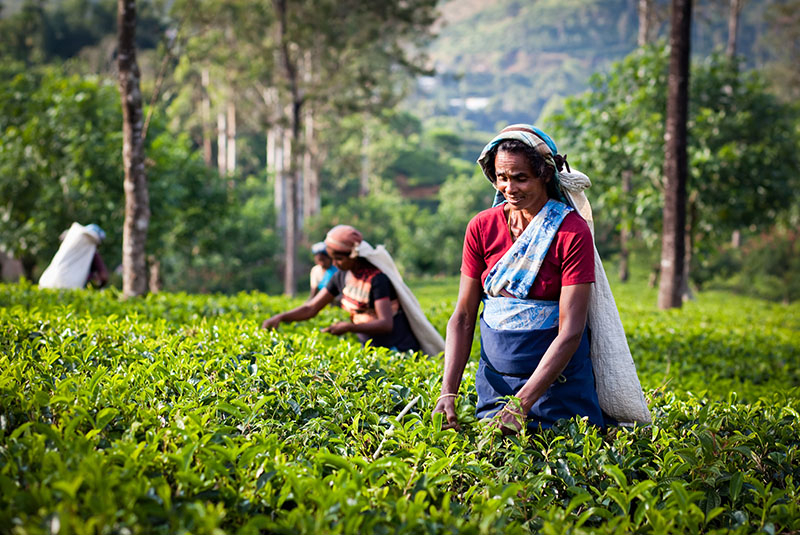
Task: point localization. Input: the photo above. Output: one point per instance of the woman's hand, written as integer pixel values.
(447, 406)
(271, 323)
(307, 310)
(509, 420)
(339, 328)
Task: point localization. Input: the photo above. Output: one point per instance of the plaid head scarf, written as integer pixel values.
(531, 136)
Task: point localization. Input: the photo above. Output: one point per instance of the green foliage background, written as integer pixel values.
(59, 130)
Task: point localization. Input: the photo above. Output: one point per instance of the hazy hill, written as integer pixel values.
(504, 60)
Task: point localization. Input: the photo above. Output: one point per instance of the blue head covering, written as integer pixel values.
(319, 248)
(95, 228)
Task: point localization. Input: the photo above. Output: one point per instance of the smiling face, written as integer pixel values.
(516, 181)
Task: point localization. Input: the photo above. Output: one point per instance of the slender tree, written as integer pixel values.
(733, 27)
(294, 69)
(230, 147)
(644, 9)
(311, 200)
(137, 201)
(293, 208)
(222, 143)
(205, 117)
(675, 158)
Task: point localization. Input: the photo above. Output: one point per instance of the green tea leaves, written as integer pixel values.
(176, 414)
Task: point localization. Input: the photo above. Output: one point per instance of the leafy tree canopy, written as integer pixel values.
(742, 152)
(60, 161)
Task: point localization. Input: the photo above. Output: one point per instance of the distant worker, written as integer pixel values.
(382, 309)
(77, 262)
(323, 268)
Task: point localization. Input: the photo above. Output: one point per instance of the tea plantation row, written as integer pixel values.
(176, 414)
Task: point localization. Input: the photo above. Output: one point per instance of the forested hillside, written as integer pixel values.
(504, 61)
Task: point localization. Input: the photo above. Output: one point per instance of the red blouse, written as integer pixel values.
(570, 259)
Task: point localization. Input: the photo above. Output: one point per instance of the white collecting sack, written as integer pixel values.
(70, 266)
(429, 338)
(618, 388)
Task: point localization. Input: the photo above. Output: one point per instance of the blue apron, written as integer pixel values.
(508, 359)
(516, 332)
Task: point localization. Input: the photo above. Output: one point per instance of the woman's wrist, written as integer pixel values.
(525, 403)
(449, 388)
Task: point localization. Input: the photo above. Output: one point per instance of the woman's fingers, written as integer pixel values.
(509, 421)
(447, 407)
(336, 328)
(452, 423)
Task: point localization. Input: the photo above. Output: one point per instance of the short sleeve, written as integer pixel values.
(336, 283)
(577, 254)
(316, 276)
(473, 263)
(381, 287)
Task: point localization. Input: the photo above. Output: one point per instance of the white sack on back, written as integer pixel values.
(618, 389)
(70, 266)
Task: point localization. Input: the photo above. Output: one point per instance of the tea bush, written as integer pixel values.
(177, 414)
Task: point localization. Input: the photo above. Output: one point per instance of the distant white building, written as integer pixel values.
(427, 83)
(470, 103)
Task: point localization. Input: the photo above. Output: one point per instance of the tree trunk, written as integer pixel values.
(736, 239)
(222, 144)
(311, 201)
(733, 27)
(275, 160)
(293, 208)
(230, 158)
(686, 288)
(270, 156)
(624, 253)
(154, 281)
(645, 17)
(12, 269)
(363, 184)
(276, 139)
(675, 158)
(205, 116)
(137, 202)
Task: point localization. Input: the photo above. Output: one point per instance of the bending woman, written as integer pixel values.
(530, 259)
(367, 295)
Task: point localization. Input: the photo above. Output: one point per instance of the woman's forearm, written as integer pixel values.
(550, 367)
(573, 310)
(376, 326)
(458, 343)
(301, 313)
